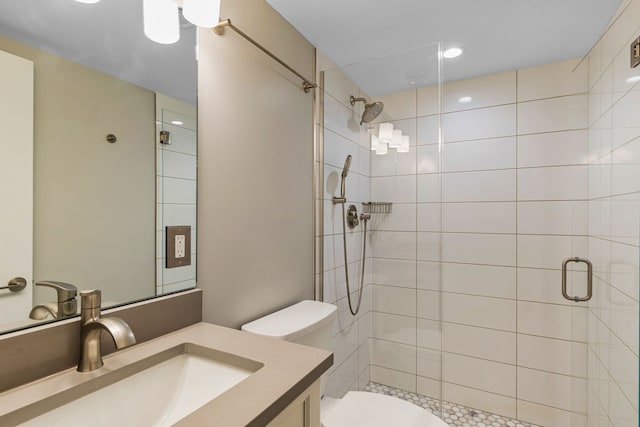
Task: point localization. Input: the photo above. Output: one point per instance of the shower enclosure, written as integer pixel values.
(509, 177)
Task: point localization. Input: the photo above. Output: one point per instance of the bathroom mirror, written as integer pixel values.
(105, 185)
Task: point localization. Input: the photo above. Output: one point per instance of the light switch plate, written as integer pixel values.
(178, 246)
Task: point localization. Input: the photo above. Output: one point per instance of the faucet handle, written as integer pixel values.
(90, 299)
(66, 291)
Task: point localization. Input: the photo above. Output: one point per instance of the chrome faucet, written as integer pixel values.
(92, 327)
(65, 306)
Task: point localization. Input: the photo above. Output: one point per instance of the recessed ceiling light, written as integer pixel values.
(464, 100)
(416, 79)
(177, 123)
(452, 52)
(88, 1)
(633, 79)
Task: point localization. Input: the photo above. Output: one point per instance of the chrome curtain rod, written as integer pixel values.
(219, 30)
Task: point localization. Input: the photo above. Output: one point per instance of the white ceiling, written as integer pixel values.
(497, 35)
(106, 36)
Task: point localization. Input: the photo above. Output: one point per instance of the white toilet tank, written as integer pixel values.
(307, 322)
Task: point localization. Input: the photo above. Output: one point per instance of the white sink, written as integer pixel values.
(157, 391)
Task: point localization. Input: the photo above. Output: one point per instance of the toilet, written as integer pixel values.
(311, 323)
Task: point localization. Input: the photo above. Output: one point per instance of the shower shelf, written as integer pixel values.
(376, 207)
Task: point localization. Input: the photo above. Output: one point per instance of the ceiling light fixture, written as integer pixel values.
(633, 79)
(465, 100)
(452, 52)
(203, 13)
(88, 1)
(385, 132)
(161, 21)
(177, 122)
(162, 17)
(388, 137)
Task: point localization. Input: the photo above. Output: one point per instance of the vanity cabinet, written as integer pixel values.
(304, 411)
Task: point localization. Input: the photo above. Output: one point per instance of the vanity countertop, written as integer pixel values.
(289, 369)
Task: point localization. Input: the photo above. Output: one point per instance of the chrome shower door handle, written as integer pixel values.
(589, 279)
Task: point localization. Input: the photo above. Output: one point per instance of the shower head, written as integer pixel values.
(371, 111)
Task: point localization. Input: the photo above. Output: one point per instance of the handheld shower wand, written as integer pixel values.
(345, 171)
(353, 222)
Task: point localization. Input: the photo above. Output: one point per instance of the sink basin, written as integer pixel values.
(157, 391)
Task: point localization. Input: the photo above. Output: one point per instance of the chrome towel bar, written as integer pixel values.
(219, 30)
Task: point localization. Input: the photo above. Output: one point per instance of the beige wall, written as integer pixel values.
(94, 201)
(255, 151)
(16, 167)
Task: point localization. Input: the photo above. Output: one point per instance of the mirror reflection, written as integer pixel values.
(98, 162)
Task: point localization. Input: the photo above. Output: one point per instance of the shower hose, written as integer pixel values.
(346, 263)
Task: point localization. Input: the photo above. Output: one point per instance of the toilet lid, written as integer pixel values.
(365, 409)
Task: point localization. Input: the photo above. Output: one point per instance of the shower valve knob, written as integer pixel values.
(352, 216)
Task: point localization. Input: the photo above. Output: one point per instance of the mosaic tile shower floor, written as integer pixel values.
(455, 415)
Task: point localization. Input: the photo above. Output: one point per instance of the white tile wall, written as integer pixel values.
(553, 321)
(394, 300)
(494, 377)
(515, 204)
(344, 136)
(483, 343)
(427, 130)
(558, 391)
(482, 280)
(486, 186)
(552, 114)
(553, 183)
(483, 154)
(486, 91)
(176, 190)
(393, 328)
(553, 149)
(392, 355)
(472, 310)
(495, 217)
(612, 397)
(549, 416)
(429, 334)
(491, 122)
(400, 105)
(395, 272)
(552, 80)
(430, 364)
(552, 355)
(492, 249)
(524, 183)
(477, 398)
(563, 217)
